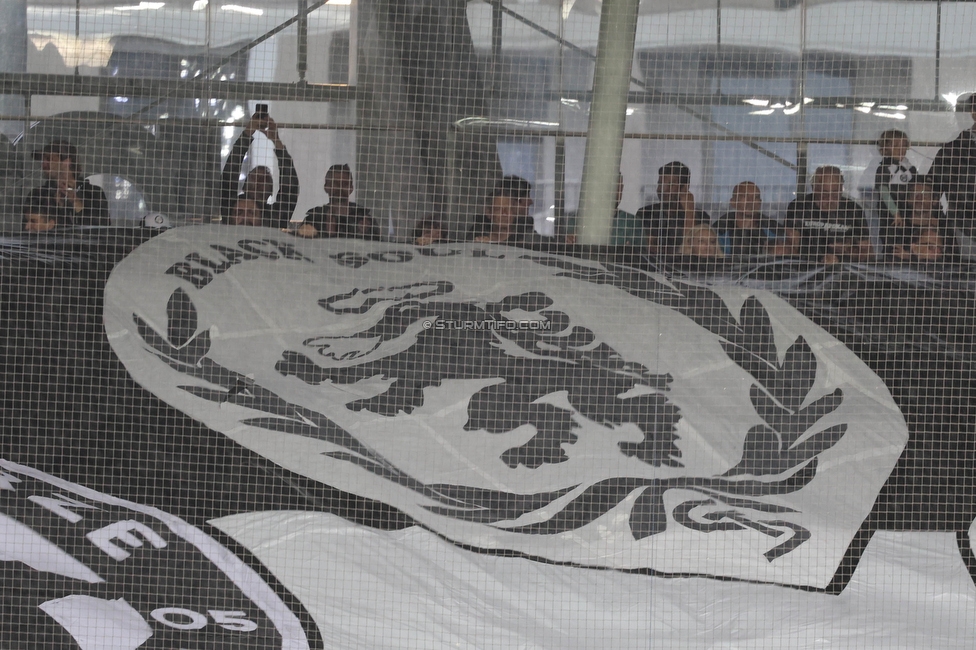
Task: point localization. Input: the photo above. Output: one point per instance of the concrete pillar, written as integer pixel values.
(419, 77)
(608, 114)
(13, 58)
(13, 50)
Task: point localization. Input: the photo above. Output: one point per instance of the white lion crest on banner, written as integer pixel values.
(566, 409)
(772, 452)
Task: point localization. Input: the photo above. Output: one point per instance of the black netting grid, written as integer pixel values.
(433, 324)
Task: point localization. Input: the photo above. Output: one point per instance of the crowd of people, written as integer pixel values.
(916, 212)
(823, 225)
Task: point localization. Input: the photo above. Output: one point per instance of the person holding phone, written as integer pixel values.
(72, 199)
(250, 206)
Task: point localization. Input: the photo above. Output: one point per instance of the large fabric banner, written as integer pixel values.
(566, 410)
(87, 570)
(391, 580)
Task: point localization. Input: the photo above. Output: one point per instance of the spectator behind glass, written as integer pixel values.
(512, 193)
(429, 230)
(507, 219)
(340, 217)
(745, 230)
(893, 178)
(828, 226)
(499, 222)
(247, 208)
(627, 229)
(700, 241)
(675, 226)
(251, 207)
(71, 199)
(919, 238)
(37, 215)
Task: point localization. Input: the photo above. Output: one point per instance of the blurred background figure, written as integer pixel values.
(744, 230)
(828, 226)
(920, 236)
(37, 215)
(247, 208)
(667, 222)
(507, 219)
(70, 198)
(512, 196)
(700, 241)
(340, 217)
(953, 174)
(428, 230)
(251, 207)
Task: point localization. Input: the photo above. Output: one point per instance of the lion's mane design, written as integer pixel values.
(529, 364)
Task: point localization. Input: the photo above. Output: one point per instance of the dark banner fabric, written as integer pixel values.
(109, 573)
(168, 398)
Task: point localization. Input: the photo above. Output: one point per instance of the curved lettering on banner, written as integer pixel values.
(567, 410)
(85, 569)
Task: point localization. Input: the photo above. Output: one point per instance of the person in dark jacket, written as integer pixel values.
(507, 219)
(953, 172)
(829, 227)
(70, 198)
(340, 217)
(745, 230)
(921, 236)
(251, 207)
(676, 225)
